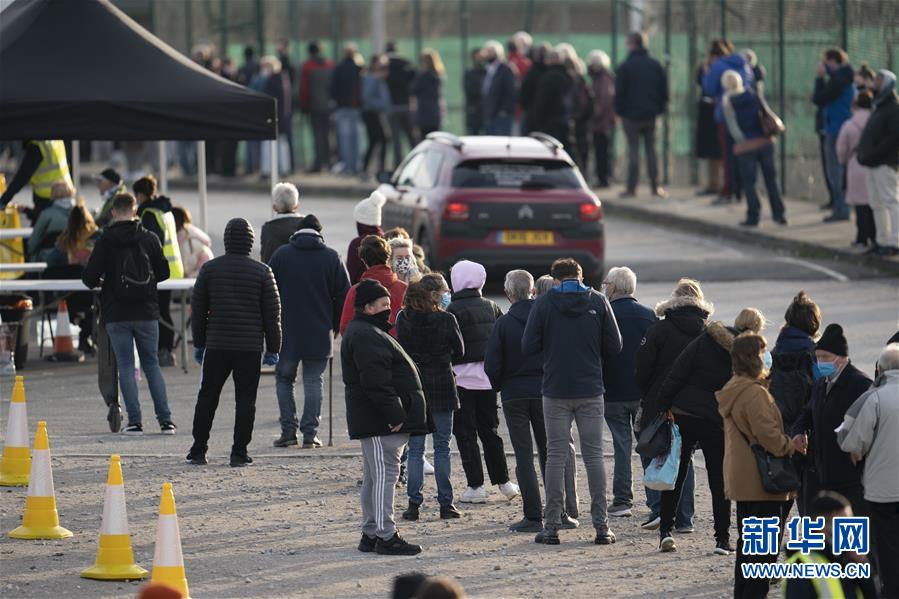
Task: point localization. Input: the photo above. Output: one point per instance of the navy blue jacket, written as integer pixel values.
(576, 331)
(641, 87)
(513, 374)
(346, 84)
(500, 97)
(619, 371)
(313, 283)
(746, 110)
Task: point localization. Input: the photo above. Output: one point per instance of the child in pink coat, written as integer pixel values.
(856, 188)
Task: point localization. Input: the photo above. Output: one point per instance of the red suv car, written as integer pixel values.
(506, 202)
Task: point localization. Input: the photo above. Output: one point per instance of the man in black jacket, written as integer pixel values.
(641, 95)
(313, 284)
(550, 114)
(575, 329)
(385, 404)
(400, 73)
(498, 91)
(129, 261)
(878, 150)
(236, 311)
(472, 82)
(528, 91)
(832, 395)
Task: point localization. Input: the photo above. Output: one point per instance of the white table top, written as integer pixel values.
(23, 267)
(14, 233)
(77, 285)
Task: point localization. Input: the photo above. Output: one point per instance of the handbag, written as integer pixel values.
(750, 145)
(654, 439)
(772, 125)
(778, 474)
(661, 474)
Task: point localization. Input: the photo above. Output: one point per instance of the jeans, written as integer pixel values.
(478, 417)
(347, 124)
(443, 430)
(633, 131)
(500, 125)
(683, 517)
(123, 336)
(763, 157)
(834, 171)
(313, 389)
(107, 373)
(187, 157)
(620, 416)
(752, 588)
(254, 156)
(321, 135)
(558, 415)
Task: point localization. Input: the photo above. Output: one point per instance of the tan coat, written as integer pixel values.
(745, 405)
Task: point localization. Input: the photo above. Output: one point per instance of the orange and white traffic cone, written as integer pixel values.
(168, 562)
(16, 462)
(115, 559)
(41, 520)
(63, 345)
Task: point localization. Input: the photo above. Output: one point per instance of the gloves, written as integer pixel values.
(198, 354)
(270, 359)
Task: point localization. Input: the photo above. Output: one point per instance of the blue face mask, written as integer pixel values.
(766, 358)
(445, 299)
(826, 369)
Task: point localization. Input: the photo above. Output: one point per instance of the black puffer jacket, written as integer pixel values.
(235, 301)
(476, 316)
(703, 368)
(684, 319)
(382, 384)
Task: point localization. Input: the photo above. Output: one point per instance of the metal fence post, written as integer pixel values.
(844, 25)
(666, 123)
(692, 61)
(529, 16)
(416, 26)
(260, 27)
(614, 33)
(781, 92)
(189, 25)
(223, 26)
(335, 31)
(723, 8)
(463, 32)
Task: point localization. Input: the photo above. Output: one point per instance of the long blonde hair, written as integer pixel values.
(79, 229)
(433, 61)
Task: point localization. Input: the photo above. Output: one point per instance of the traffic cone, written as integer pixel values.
(168, 562)
(115, 559)
(41, 520)
(16, 462)
(63, 346)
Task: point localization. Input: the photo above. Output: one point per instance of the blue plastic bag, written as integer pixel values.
(661, 474)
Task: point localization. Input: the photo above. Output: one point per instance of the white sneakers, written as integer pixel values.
(470, 495)
(428, 467)
(510, 490)
(620, 511)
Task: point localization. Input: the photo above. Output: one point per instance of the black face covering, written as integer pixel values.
(382, 316)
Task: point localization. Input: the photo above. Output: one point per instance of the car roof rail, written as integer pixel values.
(447, 138)
(547, 140)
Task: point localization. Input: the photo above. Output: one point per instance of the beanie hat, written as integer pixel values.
(310, 221)
(833, 341)
(109, 175)
(239, 237)
(367, 291)
(368, 211)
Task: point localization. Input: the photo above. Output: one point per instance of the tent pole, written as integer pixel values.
(163, 168)
(76, 164)
(274, 169)
(201, 181)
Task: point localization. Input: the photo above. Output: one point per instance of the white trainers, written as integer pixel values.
(470, 495)
(428, 467)
(620, 511)
(510, 490)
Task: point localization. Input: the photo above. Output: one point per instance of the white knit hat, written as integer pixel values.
(368, 211)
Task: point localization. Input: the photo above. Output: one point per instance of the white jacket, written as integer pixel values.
(871, 429)
(196, 249)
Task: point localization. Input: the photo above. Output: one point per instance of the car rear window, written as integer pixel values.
(516, 174)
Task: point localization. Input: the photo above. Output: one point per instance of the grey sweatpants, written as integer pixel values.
(380, 471)
(558, 415)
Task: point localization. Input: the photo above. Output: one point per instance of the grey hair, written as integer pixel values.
(623, 279)
(497, 48)
(889, 358)
(285, 197)
(518, 285)
(543, 285)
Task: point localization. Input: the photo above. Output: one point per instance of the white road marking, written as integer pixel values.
(812, 266)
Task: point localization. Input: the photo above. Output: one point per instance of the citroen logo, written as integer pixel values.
(526, 212)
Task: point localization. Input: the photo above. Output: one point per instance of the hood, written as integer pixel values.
(732, 391)
(382, 274)
(690, 318)
(467, 275)
(572, 304)
(307, 239)
(735, 61)
(64, 203)
(662, 308)
(123, 232)
(159, 202)
(792, 339)
(721, 334)
(887, 87)
(520, 310)
(239, 237)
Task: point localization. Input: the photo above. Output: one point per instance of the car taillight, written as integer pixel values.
(456, 211)
(590, 212)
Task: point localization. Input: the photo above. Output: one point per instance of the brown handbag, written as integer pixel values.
(772, 125)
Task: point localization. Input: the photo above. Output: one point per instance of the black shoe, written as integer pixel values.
(167, 427)
(240, 460)
(874, 250)
(604, 538)
(396, 545)
(782, 221)
(721, 201)
(283, 441)
(367, 543)
(166, 358)
(412, 512)
(197, 458)
(313, 443)
(547, 537)
(723, 548)
(749, 223)
(114, 417)
(835, 219)
(627, 194)
(666, 542)
(449, 512)
(527, 525)
(133, 429)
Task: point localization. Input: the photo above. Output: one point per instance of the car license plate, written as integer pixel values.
(526, 238)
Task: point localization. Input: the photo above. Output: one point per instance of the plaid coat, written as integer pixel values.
(433, 340)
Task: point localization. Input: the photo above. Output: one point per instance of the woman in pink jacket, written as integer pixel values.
(856, 188)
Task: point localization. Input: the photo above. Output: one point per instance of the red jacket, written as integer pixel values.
(305, 75)
(386, 277)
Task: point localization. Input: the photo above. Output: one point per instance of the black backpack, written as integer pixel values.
(133, 278)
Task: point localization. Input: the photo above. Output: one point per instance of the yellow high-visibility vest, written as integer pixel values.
(53, 167)
(170, 248)
(825, 588)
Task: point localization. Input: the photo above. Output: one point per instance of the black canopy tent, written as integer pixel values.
(82, 69)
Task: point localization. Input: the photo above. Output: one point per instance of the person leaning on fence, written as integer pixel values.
(751, 418)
